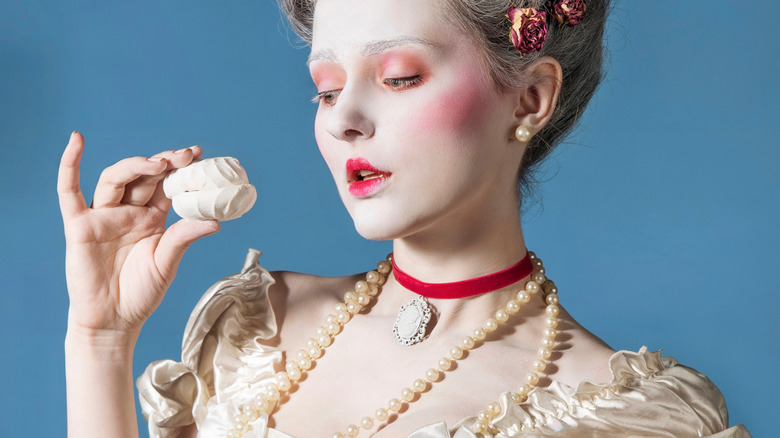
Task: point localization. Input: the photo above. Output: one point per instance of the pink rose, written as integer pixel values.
(529, 29)
(567, 11)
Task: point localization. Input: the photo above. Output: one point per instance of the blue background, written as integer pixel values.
(658, 219)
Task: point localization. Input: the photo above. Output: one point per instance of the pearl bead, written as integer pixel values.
(372, 277)
(232, 434)
(311, 343)
(272, 392)
(523, 297)
(517, 398)
(540, 270)
(480, 426)
(314, 352)
(445, 364)
(538, 277)
(282, 381)
(338, 435)
(552, 299)
(361, 286)
(494, 408)
(484, 415)
(552, 310)
(350, 296)
(331, 319)
(304, 363)
(532, 379)
(381, 414)
(551, 322)
(384, 267)
(419, 385)
(407, 394)
(456, 353)
(537, 262)
(352, 430)
(333, 328)
(367, 423)
(389, 257)
(548, 342)
(513, 306)
(293, 372)
(363, 299)
(523, 133)
(432, 374)
(550, 332)
(479, 334)
(549, 287)
(323, 340)
(321, 331)
(240, 419)
(539, 365)
(502, 316)
(531, 255)
(301, 354)
(373, 289)
(250, 411)
(545, 353)
(340, 307)
(261, 403)
(490, 325)
(532, 287)
(467, 343)
(523, 389)
(394, 405)
(353, 308)
(343, 317)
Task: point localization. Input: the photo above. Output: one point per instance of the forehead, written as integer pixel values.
(371, 26)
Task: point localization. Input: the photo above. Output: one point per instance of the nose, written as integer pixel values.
(349, 118)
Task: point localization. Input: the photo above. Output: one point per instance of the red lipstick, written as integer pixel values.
(363, 178)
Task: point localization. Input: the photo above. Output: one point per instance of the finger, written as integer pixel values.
(159, 200)
(111, 185)
(141, 191)
(175, 241)
(68, 189)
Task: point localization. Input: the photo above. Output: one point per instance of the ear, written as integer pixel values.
(536, 102)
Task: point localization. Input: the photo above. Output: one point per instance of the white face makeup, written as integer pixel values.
(408, 120)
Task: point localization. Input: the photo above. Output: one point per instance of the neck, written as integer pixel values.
(467, 248)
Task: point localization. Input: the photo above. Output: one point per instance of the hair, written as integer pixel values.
(578, 49)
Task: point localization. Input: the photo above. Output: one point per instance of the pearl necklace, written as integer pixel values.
(265, 402)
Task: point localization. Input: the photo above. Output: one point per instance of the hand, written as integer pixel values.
(120, 259)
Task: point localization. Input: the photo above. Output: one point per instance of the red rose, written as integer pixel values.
(567, 11)
(529, 29)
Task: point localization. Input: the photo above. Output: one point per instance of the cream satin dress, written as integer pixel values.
(225, 363)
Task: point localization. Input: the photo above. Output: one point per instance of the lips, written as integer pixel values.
(363, 178)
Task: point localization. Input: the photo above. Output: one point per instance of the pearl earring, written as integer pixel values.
(523, 133)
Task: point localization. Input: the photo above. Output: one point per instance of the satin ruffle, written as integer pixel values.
(225, 362)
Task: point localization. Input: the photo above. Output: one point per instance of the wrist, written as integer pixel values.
(104, 344)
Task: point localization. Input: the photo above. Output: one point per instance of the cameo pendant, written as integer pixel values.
(412, 322)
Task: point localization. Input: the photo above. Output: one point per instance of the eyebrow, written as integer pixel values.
(373, 48)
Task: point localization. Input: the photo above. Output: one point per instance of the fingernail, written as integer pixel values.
(155, 159)
(72, 134)
(192, 148)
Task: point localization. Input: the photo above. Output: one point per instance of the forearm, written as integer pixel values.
(100, 391)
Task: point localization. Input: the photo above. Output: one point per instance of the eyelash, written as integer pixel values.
(394, 83)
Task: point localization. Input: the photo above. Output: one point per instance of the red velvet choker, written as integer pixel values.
(466, 288)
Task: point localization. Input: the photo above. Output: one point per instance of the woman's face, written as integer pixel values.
(409, 122)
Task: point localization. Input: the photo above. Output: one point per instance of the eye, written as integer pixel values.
(326, 97)
(403, 83)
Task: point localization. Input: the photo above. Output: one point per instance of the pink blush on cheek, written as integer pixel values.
(458, 107)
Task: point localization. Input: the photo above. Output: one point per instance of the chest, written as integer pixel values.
(364, 369)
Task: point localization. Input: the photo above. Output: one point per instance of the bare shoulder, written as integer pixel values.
(302, 301)
(581, 355)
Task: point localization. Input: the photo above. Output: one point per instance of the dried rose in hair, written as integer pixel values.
(569, 12)
(529, 29)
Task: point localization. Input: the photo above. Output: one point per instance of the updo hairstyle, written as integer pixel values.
(578, 49)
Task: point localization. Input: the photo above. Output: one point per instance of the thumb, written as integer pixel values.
(175, 241)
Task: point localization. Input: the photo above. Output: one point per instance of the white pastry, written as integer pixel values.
(214, 188)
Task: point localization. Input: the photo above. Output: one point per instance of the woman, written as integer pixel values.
(429, 115)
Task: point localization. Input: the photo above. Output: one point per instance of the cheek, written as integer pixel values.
(457, 109)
